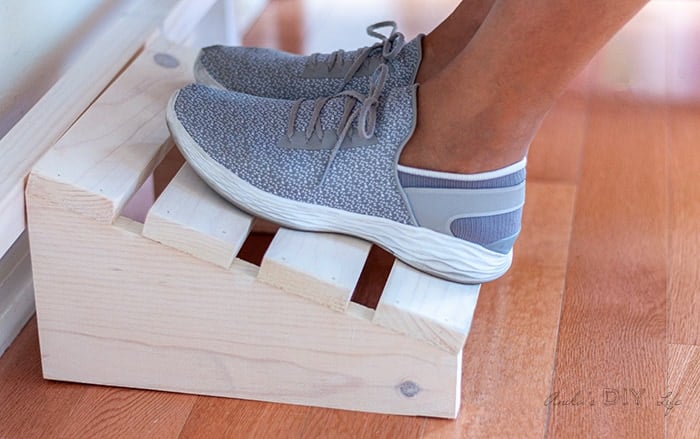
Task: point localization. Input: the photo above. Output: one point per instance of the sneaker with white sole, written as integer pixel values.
(331, 165)
(276, 74)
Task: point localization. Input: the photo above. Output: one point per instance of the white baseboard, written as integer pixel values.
(16, 291)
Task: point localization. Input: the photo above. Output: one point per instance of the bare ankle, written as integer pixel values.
(449, 140)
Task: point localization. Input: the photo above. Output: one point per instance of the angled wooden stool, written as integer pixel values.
(168, 305)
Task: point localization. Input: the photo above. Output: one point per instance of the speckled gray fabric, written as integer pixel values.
(276, 74)
(242, 132)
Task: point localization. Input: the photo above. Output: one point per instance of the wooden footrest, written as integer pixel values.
(168, 304)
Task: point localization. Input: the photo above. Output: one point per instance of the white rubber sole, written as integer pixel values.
(435, 253)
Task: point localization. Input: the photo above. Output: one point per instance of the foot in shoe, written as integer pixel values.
(331, 165)
(276, 74)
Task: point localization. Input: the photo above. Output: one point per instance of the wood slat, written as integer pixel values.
(103, 159)
(612, 331)
(427, 308)
(191, 217)
(681, 400)
(322, 267)
(509, 355)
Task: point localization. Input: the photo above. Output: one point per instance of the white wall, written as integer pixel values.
(38, 40)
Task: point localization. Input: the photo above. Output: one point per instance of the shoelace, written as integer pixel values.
(365, 113)
(391, 46)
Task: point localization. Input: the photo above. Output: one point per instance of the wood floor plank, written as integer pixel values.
(110, 412)
(509, 355)
(31, 407)
(338, 424)
(612, 331)
(236, 418)
(681, 401)
(684, 225)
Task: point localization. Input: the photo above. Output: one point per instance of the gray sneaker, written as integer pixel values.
(330, 165)
(275, 74)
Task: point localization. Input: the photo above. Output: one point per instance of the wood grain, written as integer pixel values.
(150, 308)
(509, 355)
(681, 400)
(235, 418)
(612, 330)
(322, 267)
(29, 406)
(117, 143)
(106, 412)
(338, 424)
(427, 308)
(189, 216)
(684, 225)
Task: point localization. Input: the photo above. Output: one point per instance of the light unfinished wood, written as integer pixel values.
(681, 400)
(151, 309)
(427, 308)
(113, 148)
(60, 107)
(322, 267)
(191, 217)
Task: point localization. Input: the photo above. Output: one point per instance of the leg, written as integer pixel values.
(447, 40)
(483, 109)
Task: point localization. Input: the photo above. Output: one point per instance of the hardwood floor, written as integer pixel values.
(594, 332)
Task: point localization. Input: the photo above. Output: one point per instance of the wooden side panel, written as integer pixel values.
(147, 316)
(103, 159)
(319, 266)
(427, 308)
(192, 218)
